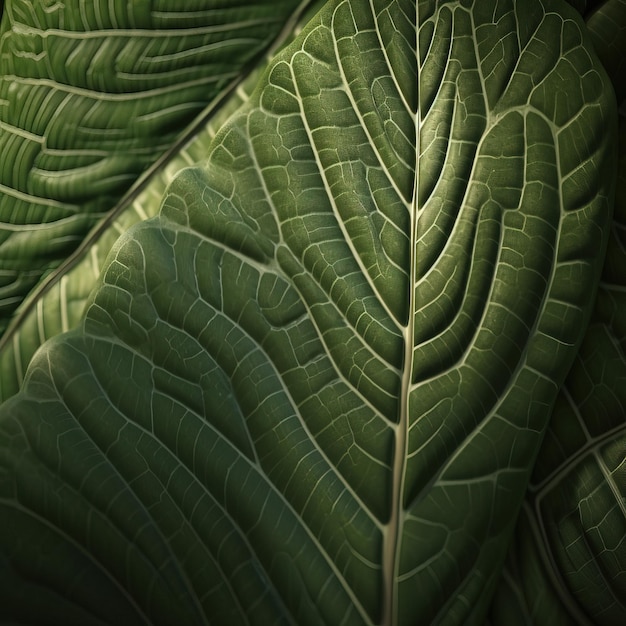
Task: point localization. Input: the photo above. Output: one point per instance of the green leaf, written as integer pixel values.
(58, 302)
(312, 390)
(607, 25)
(92, 96)
(568, 561)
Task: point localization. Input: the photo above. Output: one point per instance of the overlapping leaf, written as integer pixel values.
(312, 390)
(58, 302)
(568, 561)
(607, 26)
(91, 96)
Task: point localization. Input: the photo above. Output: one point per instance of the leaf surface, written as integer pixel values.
(607, 25)
(568, 561)
(313, 388)
(91, 97)
(57, 303)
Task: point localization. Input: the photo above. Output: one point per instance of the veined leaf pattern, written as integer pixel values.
(313, 389)
(566, 564)
(58, 303)
(568, 559)
(91, 95)
(607, 26)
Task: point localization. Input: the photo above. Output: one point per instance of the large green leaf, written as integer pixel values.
(92, 96)
(313, 389)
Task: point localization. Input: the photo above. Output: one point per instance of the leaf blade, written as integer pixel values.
(250, 344)
(89, 99)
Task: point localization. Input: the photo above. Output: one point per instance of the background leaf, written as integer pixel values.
(57, 304)
(91, 96)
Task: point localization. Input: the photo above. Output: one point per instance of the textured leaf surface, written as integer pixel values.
(312, 390)
(58, 302)
(92, 95)
(607, 25)
(568, 563)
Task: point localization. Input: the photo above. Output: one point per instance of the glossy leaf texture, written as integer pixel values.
(312, 390)
(91, 95)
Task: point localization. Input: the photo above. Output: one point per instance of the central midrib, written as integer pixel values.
(391, 542)
(392, 537)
